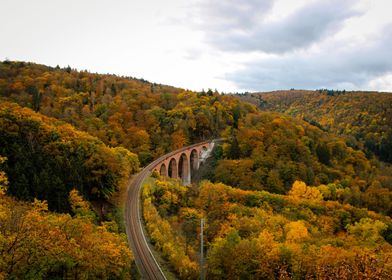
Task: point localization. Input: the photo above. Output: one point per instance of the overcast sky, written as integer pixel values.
(230, 45)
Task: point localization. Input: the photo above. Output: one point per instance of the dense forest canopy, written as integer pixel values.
(47, 158)
(63, 129)
(260, 235)
(362, 116)
(270, 151)
(301, 188)
(38, 244)
(148, 119)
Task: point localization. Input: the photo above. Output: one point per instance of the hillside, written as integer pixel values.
(295, 190)
(62, 129)
(259, 235)
(269, 151)
(362, 116)
(47, 158)
(38, 244)
(148, 119)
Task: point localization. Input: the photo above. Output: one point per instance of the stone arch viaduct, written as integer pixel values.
(184, 162)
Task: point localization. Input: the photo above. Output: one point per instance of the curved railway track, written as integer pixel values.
(148, 266)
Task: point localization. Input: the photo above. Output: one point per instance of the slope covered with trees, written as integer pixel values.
(365, 117)
(62, 129)
(47, 158)
(260, 235)
(148, 119)
(269, 151)
(292, 194)
(37, 244)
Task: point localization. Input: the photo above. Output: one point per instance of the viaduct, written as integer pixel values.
(180, 164)
(184, 162)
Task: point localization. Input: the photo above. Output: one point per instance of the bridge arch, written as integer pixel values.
(194, 160)
(203, 150)
(184, 171)
(203, 154)
(173, 170)
(163, 170)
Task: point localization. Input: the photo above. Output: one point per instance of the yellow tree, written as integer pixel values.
(300, 190)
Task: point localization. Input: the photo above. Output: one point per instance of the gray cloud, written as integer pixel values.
(349, 68)
(241, 26)
(230, 15)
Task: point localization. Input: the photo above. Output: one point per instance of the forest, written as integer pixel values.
(147, 119)
(260, 235)
(300, 189)
(287, 200)
(38, 244)
(270, 151)
(46, 158)
(365, 118)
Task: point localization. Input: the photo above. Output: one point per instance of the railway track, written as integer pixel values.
(145, 261)
(147, 265)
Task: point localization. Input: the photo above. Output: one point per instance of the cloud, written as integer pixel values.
(245, 27)
(354, 67)
(230, 15)
(383, 83)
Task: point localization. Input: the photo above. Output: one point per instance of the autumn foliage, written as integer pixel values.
(259, 235)
(47, 158)
(365, 118)
(146, 118)
(301, 189)
(270, 151)
(37, 244)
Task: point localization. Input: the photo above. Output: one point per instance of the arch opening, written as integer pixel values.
(184, 169)
(194, 161)
(173, 170)
(202, 154)
(163, 170)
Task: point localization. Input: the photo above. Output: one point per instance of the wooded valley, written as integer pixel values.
(301, 188)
